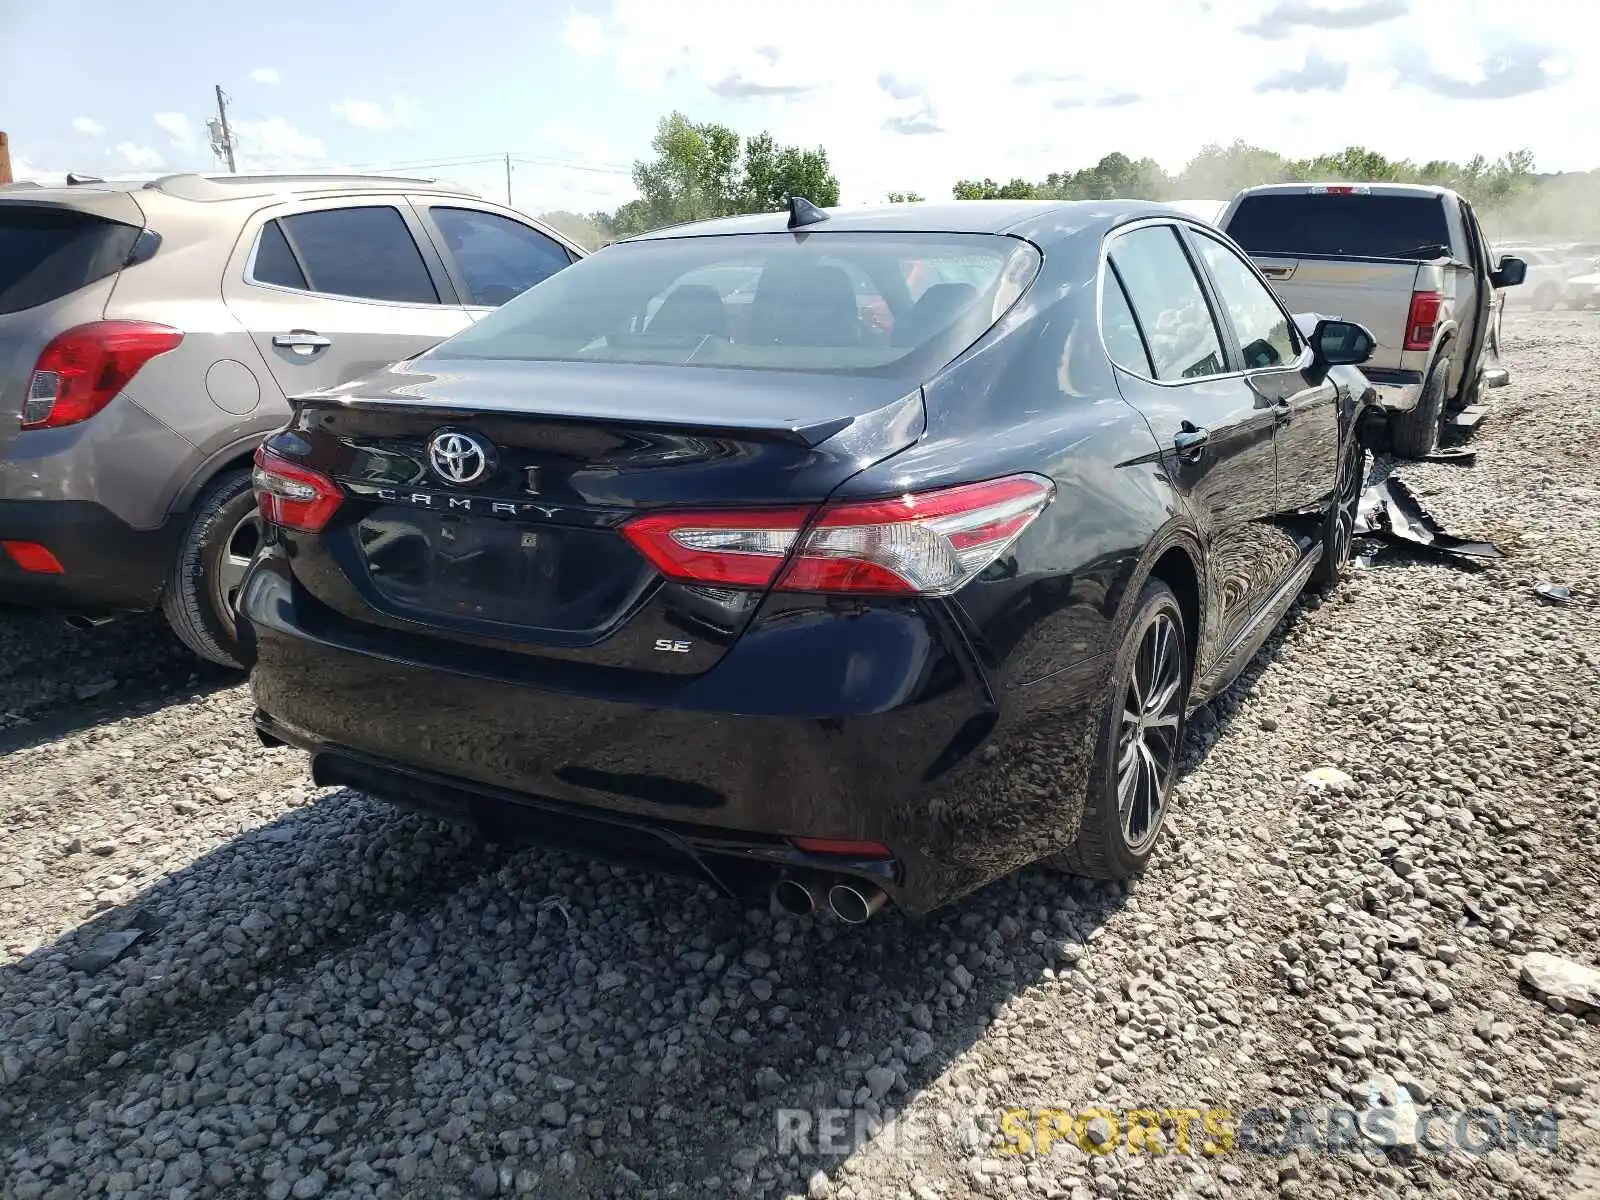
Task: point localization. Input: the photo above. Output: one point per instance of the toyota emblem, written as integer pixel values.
(459, 458)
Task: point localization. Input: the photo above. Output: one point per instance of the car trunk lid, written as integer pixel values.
(529, 550)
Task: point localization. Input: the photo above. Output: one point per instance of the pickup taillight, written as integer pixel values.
(1422, 320)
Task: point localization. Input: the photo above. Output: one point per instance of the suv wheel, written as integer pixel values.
(1141, 734)
(218, 544)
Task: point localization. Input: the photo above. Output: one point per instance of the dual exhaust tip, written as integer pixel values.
(852, 901)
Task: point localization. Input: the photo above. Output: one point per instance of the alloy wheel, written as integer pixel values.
(243, 540)
(1344, 525)
(1147, 748)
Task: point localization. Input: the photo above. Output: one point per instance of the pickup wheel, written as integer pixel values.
(1416, 433)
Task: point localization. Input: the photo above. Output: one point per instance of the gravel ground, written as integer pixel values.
(217, 980)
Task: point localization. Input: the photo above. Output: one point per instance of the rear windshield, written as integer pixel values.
(1295, 223)
(47, 253)
(859, 303)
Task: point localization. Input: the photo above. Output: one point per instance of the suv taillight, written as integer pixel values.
(928, 544)
(1422, 320)
(293, 496)
(82, 370)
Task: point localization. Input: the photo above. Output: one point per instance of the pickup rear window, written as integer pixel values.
(1304, 223)
(48, 252)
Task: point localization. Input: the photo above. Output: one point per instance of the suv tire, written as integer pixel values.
(221, 536)
(1416, 433)
(1112, 844)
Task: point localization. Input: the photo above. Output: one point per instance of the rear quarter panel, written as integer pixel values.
(213, 392)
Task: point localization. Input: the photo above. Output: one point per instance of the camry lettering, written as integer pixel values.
(480, 505)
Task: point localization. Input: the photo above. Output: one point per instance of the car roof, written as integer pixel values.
(1038, 221)
(214, 188)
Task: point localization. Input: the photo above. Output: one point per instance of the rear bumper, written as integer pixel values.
(1398, 391)
(961, 789)
(106, 563)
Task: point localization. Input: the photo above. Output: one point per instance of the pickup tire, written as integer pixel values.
(1416, 433)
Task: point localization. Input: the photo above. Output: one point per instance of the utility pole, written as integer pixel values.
(508, 179)
(226, 138)
(5, 160)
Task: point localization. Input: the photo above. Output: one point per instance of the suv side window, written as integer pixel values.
(364, 252)
(1265, 334)
(1163, 290)
(499, 257)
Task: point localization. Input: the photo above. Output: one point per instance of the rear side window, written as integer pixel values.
(1173, 313)
(1120, 331)
(499, 257)
(828, 302)
(367, 253)
(47, 253)
(1298, 223)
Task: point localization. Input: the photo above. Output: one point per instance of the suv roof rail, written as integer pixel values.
(194, 186)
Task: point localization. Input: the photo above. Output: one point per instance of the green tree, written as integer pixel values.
(705, 170)
(988, 189)
(904, 198)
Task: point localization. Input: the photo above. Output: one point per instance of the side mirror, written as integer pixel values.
(1510, 272)
(1336, 343)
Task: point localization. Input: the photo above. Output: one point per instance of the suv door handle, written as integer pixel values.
(302, 341)
(1190, 442)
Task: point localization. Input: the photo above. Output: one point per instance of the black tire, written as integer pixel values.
(1107, 846)
(198, 601)
(1338, 527)
(1416, 433)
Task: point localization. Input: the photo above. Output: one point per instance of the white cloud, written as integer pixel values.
(140, 158)
(365, 114)
(177, 128)
(265, 75)
(585, 35)
(276, 145)
(88, 126)
(1006, 105)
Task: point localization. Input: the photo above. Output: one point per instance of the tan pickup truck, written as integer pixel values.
(1408, 262)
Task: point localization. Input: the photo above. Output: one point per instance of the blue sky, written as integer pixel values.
(905, 94)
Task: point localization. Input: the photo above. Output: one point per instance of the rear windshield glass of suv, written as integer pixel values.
(860, 303)
(1298, 223)
(47, 253)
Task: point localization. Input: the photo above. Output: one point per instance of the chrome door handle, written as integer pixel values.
(1190, 442)
(301, 340)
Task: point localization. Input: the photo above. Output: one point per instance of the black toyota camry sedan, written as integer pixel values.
(854, 556)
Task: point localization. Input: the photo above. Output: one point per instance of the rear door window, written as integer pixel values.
(499, 258)
(1177, 323)
(1291, 224)
(1265, 336)
(48, 252)
(366, 253)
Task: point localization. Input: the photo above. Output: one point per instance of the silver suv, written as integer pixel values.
(150, 332)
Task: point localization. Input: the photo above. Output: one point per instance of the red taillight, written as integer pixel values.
(293, 496)
(82, 370)
(34, 558)
(1422, 320)
(844, 848)
(930, 543)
